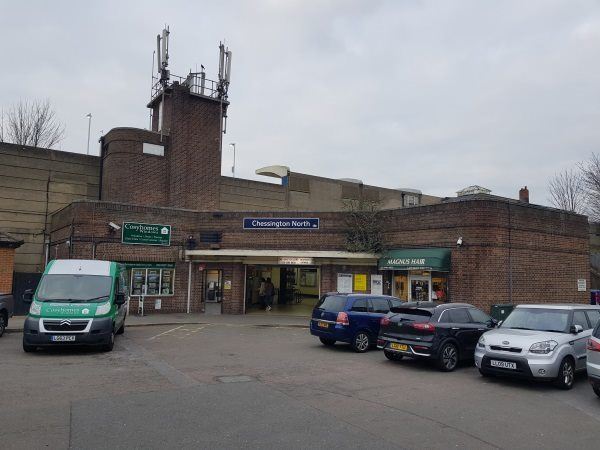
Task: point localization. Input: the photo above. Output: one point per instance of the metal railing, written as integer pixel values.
(197, 83)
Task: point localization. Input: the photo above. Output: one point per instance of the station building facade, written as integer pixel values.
(194, 241)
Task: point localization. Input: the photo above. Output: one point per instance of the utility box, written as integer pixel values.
(500, 312)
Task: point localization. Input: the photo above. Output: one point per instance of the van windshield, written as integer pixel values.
(538, 319)
(74, 288)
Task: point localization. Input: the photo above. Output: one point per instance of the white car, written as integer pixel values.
(545, 342)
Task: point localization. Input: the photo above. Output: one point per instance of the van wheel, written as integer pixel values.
(361, 342)
(566, 374)
(327, 342)
(393, 356)
(28, 348)
(122, 329)
(447, 357)
(111, 343)
(3, 322)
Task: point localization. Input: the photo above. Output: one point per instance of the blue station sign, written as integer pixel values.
(277, 223)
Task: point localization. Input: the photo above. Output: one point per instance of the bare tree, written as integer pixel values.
(590, 172)
(34, 124)
(364, 226)
(567, 191)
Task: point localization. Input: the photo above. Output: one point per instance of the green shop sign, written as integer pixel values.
(437, 259)
(146, 234)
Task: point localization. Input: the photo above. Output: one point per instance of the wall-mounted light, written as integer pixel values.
(459, 242)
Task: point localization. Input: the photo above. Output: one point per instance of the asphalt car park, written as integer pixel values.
(233, 385)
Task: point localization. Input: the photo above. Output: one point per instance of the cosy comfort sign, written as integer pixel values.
(146, 234)
(286, 223)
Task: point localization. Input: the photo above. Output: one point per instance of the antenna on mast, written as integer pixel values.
(162, 56)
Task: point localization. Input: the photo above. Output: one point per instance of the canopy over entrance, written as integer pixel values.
(437, 259)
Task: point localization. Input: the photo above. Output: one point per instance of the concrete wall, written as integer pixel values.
(34, 183)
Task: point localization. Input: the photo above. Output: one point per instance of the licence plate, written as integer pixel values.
(322, 324)
(63, 338)
(401, 347)
(503, 364)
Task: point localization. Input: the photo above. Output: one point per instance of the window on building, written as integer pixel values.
(411, 200)
(152, 281)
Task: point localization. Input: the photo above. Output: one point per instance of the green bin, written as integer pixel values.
(500, 312)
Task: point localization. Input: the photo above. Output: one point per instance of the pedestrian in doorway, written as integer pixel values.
(269, 292)
(261, 293)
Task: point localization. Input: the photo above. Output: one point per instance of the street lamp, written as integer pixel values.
(233, 167)
(89, 116)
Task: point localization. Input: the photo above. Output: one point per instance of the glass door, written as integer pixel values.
(420, 288)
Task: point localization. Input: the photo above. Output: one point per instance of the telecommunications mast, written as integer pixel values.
(223, 85)
(162, 56)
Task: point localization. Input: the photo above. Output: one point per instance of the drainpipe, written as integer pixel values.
(189, 293)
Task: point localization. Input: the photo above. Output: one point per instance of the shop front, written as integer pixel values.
(419, 274)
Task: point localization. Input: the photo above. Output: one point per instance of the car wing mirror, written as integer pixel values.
(27, 296)
(120, 299)
(492, 323)
(576, 329)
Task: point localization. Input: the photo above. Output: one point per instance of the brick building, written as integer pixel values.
(8, 245)
(196, 241)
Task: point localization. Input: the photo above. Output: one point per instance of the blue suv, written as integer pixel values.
(351, 318)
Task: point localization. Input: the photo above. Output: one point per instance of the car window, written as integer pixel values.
(412, 315)
(396, 303)
(579, 318)
(539, 319)
(479, 316)
(332, 303)
(360, 305)
(596, 332)
(457, 315)
(380, 305)
(593, 316)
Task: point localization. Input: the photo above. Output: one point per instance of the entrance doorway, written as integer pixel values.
(296, 289)
(420, 288)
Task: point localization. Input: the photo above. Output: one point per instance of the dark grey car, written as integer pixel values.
(6, 311)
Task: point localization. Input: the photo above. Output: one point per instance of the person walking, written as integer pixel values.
(269, 292)
(261, 293)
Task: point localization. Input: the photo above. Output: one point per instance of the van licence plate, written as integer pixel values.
(63, 338)
(503, 364)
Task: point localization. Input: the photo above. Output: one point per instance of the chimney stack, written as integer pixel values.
(524, 194)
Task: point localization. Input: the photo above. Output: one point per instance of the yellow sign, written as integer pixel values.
(360, 282)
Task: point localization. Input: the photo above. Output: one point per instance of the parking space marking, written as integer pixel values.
(166, 332)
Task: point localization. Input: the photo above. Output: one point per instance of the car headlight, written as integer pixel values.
(543, 347)
(102, 309)
(35, 309)
(481, 343)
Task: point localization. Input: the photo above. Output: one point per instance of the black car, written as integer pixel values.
(445, 333)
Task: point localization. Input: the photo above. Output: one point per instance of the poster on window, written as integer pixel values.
(344, 283)
(360, 282)
(377, 284)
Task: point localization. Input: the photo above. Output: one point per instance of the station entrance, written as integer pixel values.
(295, 289)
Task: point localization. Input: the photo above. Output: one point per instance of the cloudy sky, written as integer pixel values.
(434, 95)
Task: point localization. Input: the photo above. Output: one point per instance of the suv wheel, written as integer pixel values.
(326, 341)
(393, 356)
(566, 374)
(447, 357)
(3, 323)
(361, 342)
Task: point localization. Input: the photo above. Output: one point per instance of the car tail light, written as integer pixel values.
(593, 345)
(342, 319)
(424, 327)
(385, 321)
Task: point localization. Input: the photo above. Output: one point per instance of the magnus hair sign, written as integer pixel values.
(284, 223)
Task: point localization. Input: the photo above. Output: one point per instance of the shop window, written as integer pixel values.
(152, 281)
(439, 282)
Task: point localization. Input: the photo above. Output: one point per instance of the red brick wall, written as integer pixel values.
(548, 250)
(7, 257)
(129, 175)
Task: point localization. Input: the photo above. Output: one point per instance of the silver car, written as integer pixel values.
(545, 342)
(593, 359)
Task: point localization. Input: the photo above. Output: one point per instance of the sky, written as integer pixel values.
(432, 95)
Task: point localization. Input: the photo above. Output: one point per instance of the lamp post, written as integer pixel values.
(233, 167)
(89, 116)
